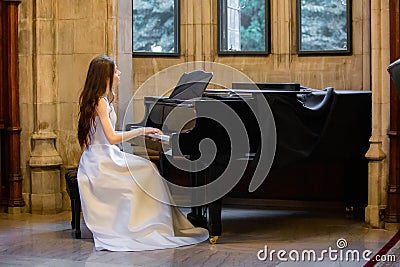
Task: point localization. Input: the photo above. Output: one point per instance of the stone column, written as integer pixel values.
(378, 163)
(124, 62)
(45, 161)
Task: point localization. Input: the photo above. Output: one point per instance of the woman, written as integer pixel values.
(121, 215)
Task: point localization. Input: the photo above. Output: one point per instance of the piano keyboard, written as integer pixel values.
(162, 137)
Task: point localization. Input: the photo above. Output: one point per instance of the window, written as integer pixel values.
(155, 27)
(243, 26)
(324, 26)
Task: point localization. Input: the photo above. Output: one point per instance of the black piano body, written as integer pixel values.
(311, 126)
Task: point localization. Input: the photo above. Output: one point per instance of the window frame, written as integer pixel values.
(177, 46)
(349, 49)
(222, 17)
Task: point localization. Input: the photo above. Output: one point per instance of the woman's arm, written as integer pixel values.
(114, 137)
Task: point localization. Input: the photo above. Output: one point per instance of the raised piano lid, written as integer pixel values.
(191, 85)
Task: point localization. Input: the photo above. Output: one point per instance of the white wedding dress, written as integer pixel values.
(118, 212)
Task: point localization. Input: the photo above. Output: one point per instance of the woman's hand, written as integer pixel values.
(151, 130)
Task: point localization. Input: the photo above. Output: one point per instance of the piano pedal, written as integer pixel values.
(213, 239)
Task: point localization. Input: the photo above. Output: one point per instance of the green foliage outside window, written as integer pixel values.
(243, 26)
(323, 25)
(252, 28)
(154, 28)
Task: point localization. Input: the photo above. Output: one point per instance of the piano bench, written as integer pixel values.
(73, 192)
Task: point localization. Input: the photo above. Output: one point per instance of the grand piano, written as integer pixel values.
(298, 125)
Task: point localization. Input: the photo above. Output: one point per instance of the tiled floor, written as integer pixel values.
(45, 240)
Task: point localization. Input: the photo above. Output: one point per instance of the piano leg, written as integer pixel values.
(213, 225)
(214, 220)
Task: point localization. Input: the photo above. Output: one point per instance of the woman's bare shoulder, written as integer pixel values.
(104, 100)
(102, 104)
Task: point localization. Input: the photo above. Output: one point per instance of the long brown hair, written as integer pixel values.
(101, 70)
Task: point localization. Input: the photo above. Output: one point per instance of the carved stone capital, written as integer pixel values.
(375, 152)
(44, 153)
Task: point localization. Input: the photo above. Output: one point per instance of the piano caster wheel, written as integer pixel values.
(213, 240)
